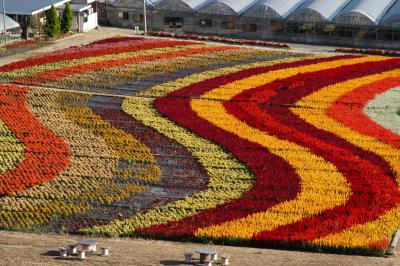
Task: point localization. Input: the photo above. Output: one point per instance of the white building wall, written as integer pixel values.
(91, 23)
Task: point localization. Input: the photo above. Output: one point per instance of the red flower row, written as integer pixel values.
(369, 51)
(370, 176)
(91, 50)
(219, 39)
(276, 179)
(58, 74)
(46, 155)
(353, 115)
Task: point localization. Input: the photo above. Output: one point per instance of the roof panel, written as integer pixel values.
(372, 9)
(31, 7)
(392, 15)
(327, 9)
(10, 23)
(238, 6)
(283, 8)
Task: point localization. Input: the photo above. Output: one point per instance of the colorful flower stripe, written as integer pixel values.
(229, 180)
(182, 175)
(93, 50)
(72, 192)
(383, 228)
(58, 70)
(118, 76)
(278, 113)
(148, 54)
(12, 151)
(187, 224)
(46, 155)
(384, 110)
(322, 224)
(205, 108)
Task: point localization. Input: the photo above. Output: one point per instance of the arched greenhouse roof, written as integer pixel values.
(10, 23)
(273, 8)
(228, 7)
(192, 4)
(325, 10)
(368, 12)
(392, 17)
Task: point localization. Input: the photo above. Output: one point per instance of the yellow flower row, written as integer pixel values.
(320, 101)
(26, 72)
(93, 168)
(229, 182)
(12, 151)
(119, 75)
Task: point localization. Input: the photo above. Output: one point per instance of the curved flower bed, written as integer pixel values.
(219, 39)
(192, 141)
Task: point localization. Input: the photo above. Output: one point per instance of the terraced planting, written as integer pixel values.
(182, 140)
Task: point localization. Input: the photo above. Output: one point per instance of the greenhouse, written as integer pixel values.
(392, 17)
(273, 9)
(364, 12)
(367, 23)
(318, 10)
(227, 7)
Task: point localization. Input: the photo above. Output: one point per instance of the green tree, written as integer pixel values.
(68, 16)
(52, 27)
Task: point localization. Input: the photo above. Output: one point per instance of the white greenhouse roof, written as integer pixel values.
(372, 9)
(10, 23)
(327, 9)
(283, 8)
(238, 6)
(392, 15)
(31, 7)
(196, 4)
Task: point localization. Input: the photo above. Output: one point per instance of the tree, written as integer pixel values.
(68, 16)
(52, 27)
(29, 25)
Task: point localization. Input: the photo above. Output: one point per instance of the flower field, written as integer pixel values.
(184, 140)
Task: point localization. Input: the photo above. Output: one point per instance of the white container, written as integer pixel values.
(81, 255)
(104, 252)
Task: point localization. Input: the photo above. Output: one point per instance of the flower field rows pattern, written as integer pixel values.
(193, 141)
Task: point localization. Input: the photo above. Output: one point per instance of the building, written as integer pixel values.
(11, 27)
(26, 11)
(367, 23)
(86, 15)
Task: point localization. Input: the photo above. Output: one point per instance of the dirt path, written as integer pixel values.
(42, 249)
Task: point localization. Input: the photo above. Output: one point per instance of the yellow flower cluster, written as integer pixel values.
(320, 101)
(230, 181)
(93, 173)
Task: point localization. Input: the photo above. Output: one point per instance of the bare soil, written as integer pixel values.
(42, 249)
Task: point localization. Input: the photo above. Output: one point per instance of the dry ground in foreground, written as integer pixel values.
(42, 249)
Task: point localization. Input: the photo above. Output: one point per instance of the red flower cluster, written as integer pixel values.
(370, 51)
(46, 155)
(219, 39)
(92, 50)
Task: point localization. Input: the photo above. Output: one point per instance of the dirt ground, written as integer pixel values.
(42, 249)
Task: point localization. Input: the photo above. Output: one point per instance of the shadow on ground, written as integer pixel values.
(171, 262)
